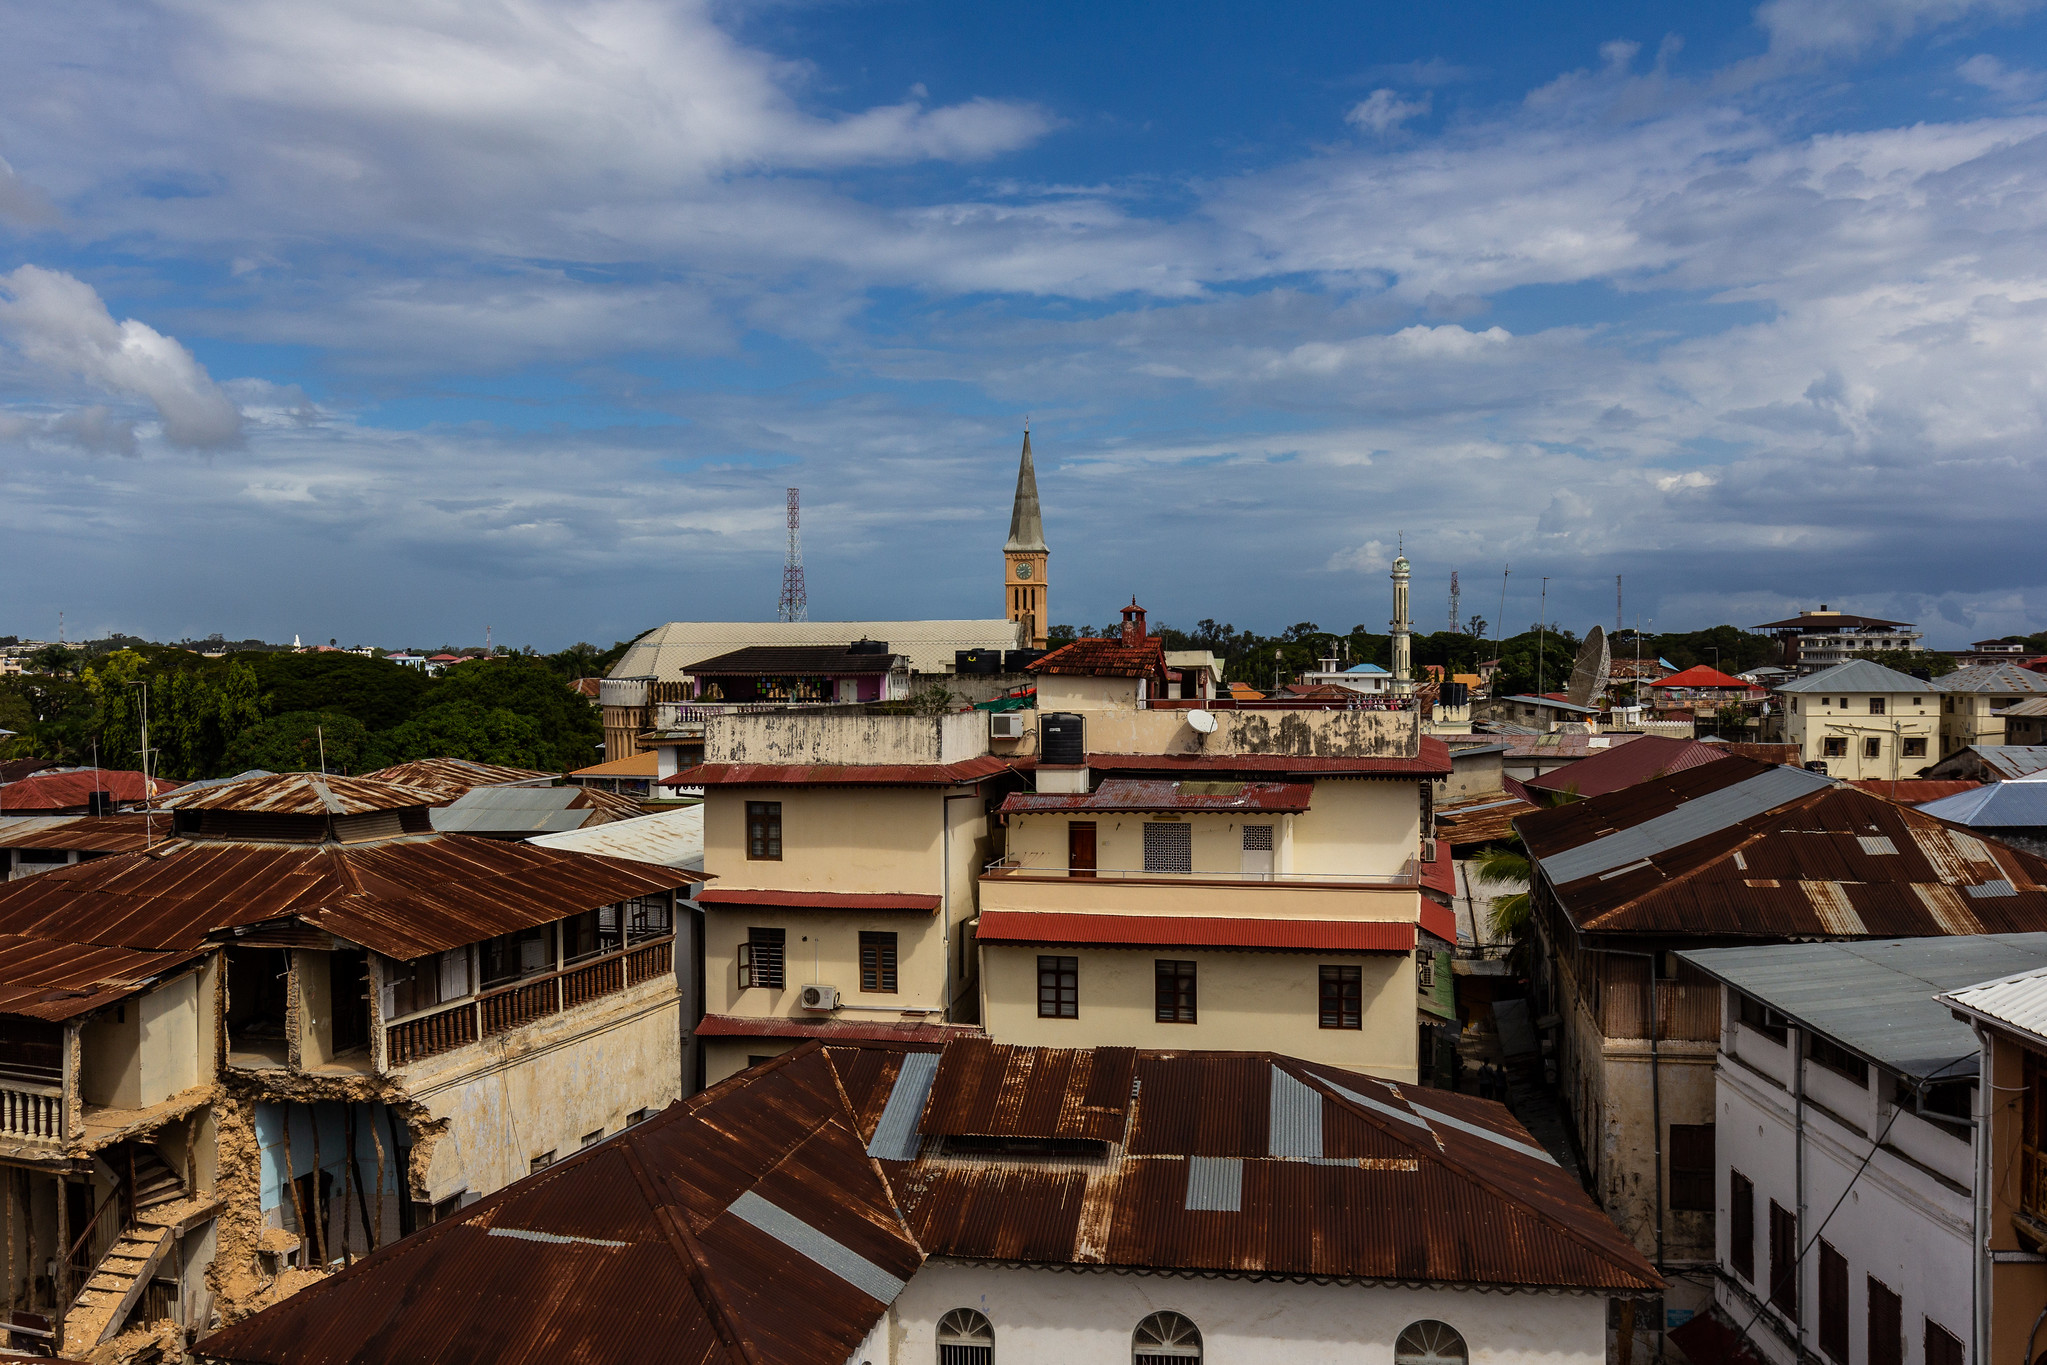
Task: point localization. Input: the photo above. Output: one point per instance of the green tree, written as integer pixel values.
(567, 727)
(1506, 864)
(376, 692)
(1911, 661)
(301, 741)
(484, 734)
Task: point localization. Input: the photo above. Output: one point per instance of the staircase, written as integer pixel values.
(162, 1210)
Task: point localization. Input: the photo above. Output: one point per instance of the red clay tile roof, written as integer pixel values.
(1107, 658)
(1136, 794)
(1624, 765)
(773, 1218)
(841, 774)
(1196, 931)
(817, 900)
(65, 790)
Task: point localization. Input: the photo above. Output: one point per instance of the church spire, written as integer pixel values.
(1026, 526)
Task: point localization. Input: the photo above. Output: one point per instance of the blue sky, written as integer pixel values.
(391, 320)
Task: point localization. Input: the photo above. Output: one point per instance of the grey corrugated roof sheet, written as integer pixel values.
(1992, 678)
(1880, 999)
(670, 838)
(2020, 804)
(667, 652)
(1857, 675)
(1700, 816)
(512, 810)
(2017, 1001)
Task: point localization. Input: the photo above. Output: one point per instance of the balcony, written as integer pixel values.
(1006, 885)
(525, 1002)
(31, 1113)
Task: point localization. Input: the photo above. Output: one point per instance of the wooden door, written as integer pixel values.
(1080, 848)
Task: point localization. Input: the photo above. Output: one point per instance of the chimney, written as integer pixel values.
(1133, 624)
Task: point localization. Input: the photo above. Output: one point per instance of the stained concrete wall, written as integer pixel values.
(845, 736)
(1043, 1317)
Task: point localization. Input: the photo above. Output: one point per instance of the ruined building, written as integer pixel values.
(295, 1030)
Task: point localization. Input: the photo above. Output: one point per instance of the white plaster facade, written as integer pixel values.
(1060, 1317)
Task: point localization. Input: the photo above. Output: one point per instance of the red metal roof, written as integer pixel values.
(304, 794)
(1702, 676)
(830, 1030)
(1433, 760)
(768, 1221)
(818, 900)
(453, 776)
(42, 979)
(66, 790)
(1138, 794)
(1197, 931)
(1642, 757)
(1915, 791)
(840, 775)
(1439, 879)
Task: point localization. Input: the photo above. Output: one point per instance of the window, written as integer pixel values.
(1343, 992)
(1872, 748)
(515, 956)
(1833, 1303)
(545, 1159)
(764, 830)
(1691, 1166)
(1059, 988)
(1833, 748)
(760, 958)
(591, 934)
(1915, 747)
(1784, 1259)
(591, 1139)
(1424, 969)
(1741, 1225)
(1886, 1325)
(878, 963)
(1948, 1106)
(425, 982)
(1175, 991)
(1761, 1018)
(1838, 1060)
(1168, 847)
(1942, 1346)
(1876, 706)
(1165, 1339)
(1429, 1342)
(965, 1338)
(640, 1116)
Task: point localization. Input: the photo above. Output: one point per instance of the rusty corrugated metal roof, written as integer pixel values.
(1817, 861)
(822, 900)
(1143, 794)
(830, 1030)
(44, 979)
(1624, 765)
(74, 787)
(1432, 760)
(304, 794)
(403, 897)
(840, 774)
(87, 833)
(1195, 931)
(1481, 819)
(453, 776)
(766, 1220)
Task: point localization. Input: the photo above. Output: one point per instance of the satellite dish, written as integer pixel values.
(1202, 721)
(1589, 675)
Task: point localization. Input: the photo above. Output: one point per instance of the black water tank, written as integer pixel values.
(1017, 660)
(977, 661)
(866, 646)
(1062, 739)
(1456, 693)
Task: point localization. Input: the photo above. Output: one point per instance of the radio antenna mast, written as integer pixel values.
(1616, 604)
(1454, 595)
(795, 601)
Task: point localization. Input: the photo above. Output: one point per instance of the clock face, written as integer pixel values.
(1023, 572)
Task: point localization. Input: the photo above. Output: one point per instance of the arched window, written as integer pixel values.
(965, 1338)
(1429, 1342)
(1165, 1339)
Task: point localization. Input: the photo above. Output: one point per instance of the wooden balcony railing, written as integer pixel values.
(32, 1113)
(515, 1006)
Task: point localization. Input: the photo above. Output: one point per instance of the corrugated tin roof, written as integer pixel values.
(2017, 1002)
(453, 776)
(1195, 931)
(2008, 761)
(404, 897)
(759, 660)
(829, 1030)
(1623, 765)
(1738, 849)
(671, 838)
(840, 774)
(821, 900)
(765, 1220)
(85, 833)
(669, 652)
(530, 810)
(44, 979)
(1432, 760)
(2020, 804)
(1857, 675)
(304, 794)
(1481, 819)
(1138, 794)
(74, 787)
(1551, 745)
(1877, 999)
(1914, 791)
(1992, 678)
(646, 764)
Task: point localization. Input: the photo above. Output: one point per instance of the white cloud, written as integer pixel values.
(59, 321)
(2014, 83)
(1383, 111)
(21, 201)
(1836, 28)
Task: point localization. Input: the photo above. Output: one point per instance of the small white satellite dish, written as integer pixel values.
(1202, 721)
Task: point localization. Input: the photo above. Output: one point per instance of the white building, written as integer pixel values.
(1841, 1159)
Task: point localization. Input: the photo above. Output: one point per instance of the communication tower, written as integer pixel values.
(795, 601)
(1455, 595)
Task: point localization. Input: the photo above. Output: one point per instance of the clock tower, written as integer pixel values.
(1025, 554)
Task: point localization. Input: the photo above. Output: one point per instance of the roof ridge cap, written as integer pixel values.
(690, 1253)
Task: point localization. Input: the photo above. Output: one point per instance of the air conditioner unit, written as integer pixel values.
(821, 998)
(1428, 850)
(1005, 725)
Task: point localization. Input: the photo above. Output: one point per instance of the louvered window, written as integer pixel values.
(760, 958)
(1058, 987)
(1175, 990)
(1168, 847)
(877, 963)
(1343, 997)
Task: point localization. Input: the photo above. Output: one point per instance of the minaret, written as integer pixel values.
(1402, 661)
(1025, 554)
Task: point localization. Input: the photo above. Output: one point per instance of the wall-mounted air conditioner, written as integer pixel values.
(1005, 725)
(821, 998)
(1428, 850)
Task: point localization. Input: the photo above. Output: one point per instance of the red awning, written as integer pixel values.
(817, 900)
(1197, 931)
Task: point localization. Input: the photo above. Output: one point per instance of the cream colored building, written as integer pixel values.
(1973, 702)
(1862, 720)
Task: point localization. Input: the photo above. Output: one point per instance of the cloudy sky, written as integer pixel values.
(387, 320)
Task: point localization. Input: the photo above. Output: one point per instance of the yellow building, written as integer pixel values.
(1024, 556)
(1862, 720)
(1974, 700)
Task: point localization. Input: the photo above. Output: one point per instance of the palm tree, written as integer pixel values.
(1506, 864)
